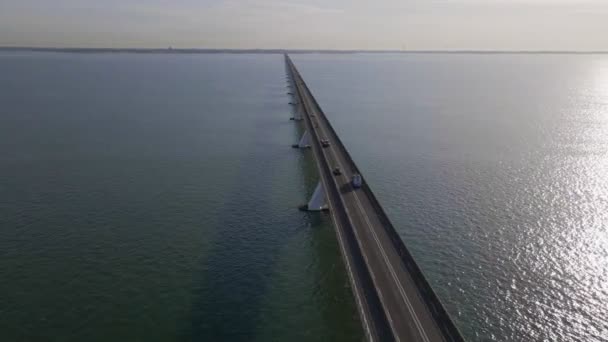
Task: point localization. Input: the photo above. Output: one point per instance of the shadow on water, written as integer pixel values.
(231, 291)
(236, 294)
(237, 272)
(333, 288)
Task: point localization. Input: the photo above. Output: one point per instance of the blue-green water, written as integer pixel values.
(494, 168)
(153, 197)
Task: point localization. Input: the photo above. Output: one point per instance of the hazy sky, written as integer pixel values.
(325, 24)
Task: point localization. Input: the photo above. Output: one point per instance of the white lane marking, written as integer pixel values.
(348, 266)
(388, 315)
(350, 271)
(393, 273)
(385, 257)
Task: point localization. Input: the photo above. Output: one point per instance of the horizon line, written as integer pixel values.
(282, 51)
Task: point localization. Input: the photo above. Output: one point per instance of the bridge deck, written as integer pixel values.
(394, 299)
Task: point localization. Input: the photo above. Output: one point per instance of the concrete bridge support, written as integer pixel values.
(318, 201)
(305, 141)
(297, 116)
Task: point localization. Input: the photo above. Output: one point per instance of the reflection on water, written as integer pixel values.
(130, 190)
(154, 198)
(495, 171)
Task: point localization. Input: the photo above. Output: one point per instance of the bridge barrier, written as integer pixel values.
(325, 168)
(429, 296)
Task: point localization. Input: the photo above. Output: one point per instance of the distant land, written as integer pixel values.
(281, 51)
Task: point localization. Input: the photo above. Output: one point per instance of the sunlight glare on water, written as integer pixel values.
(494, 169)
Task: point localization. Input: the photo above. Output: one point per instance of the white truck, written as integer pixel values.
(356, 181)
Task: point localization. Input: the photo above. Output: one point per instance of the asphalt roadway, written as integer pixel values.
(404, 307)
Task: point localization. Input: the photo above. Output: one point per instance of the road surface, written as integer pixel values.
(395, 304)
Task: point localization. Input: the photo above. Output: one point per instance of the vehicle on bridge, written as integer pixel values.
(394, 300)
(356, 181)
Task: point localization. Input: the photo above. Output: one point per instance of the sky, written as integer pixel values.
(315, 24)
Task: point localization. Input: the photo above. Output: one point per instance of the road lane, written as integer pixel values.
(408, 314)
(373, 318)
(403, 319)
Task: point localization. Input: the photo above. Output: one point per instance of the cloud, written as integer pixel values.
(275, 5)
(302, 7)
(343, 24)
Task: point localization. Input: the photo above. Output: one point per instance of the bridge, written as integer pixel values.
(394, 300)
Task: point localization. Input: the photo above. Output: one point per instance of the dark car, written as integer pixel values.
(325, 143)
(337, 171)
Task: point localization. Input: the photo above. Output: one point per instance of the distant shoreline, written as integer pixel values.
(282, 51)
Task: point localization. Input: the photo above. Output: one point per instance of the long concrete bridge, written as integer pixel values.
(394, 300)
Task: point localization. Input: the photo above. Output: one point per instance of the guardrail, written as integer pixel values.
(333, 187)
(438, 311)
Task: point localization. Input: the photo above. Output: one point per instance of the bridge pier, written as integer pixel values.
(318, 201)
(394, 299)
(305, 141)
(297, 116)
